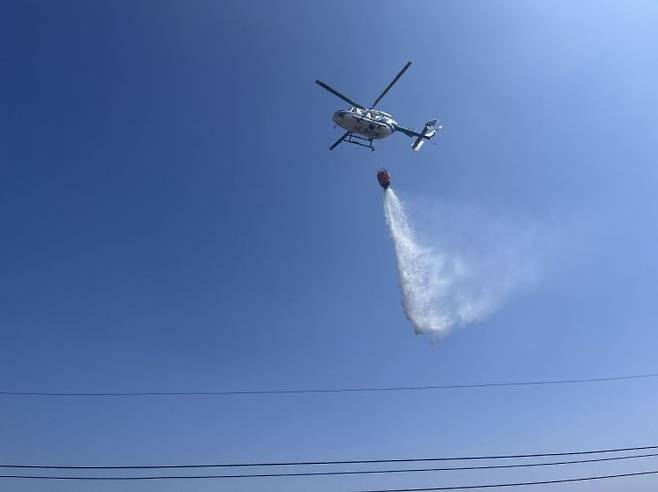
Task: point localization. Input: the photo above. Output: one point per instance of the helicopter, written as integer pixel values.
(364, 125)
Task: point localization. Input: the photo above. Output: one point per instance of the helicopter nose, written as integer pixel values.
(338, 117)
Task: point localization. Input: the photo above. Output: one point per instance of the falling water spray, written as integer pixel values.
(444, 287)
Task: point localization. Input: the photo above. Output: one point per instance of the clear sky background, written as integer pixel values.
(173, 221)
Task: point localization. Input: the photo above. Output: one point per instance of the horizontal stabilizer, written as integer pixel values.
(418, 143)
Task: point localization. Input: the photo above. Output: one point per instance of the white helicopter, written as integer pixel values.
(364, 125)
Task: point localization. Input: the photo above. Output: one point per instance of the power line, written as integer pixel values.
(363, 389)
(335, 462)
(323, 473)
(517, 484)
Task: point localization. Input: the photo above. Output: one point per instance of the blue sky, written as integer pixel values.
(172, 220)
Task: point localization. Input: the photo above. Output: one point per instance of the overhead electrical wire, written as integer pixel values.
(518, 484)
(418, 489)
(339, 462)
(314, 474)
(363, 389)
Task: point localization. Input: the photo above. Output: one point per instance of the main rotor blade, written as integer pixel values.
(388, 88)
(339, 141)
(336, 93)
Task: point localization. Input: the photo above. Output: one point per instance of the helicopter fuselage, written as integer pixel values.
(370, 123)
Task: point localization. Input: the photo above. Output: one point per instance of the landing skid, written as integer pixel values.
(357, 140)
